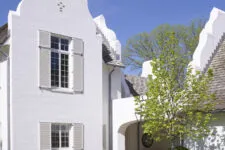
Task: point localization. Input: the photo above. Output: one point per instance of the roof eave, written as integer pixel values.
(114, 65)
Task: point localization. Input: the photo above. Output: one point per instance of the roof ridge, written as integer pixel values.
(222, 39)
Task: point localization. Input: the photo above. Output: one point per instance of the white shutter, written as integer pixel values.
(44, 59)
(44, 39)
(78, 63)
(78, 46)
(45, 136)
(78, 136)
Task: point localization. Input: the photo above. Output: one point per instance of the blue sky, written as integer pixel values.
(129, 17)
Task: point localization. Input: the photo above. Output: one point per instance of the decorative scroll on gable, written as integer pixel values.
(111, 44)
(209, 38)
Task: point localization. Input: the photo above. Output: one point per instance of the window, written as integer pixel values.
(59, 62)
(60, 135)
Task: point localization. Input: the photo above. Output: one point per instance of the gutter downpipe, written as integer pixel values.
(110, 126)
(8, 95)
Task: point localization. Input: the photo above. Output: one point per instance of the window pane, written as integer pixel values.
(55, 136)
(64, 44)
(60, 135)
(65, 138)
(54, 42)
(54, 69)
(64, 70)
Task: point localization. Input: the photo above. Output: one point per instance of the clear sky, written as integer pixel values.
(129, 17)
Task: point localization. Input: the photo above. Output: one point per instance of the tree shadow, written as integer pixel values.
(215, 141)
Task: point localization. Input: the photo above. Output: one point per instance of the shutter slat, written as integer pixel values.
(45, 136)
(78, 141)
(44, 59)
(78, 59)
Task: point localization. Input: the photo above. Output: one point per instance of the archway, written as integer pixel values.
(135, 139)
(124, 121)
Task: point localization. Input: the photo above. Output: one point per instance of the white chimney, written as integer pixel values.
(146, 69)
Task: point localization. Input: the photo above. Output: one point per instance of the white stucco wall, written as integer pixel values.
(212, 142)
(209, 38)
(123, 116)
(115, 94)
(3, 104)
(30, 105)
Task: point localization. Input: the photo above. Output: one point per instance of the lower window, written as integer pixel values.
(60, 135)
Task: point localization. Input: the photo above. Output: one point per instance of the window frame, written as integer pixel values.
(59, 51)
(69, 126)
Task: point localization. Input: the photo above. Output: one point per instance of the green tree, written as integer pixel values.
(144, 46)
(178, 103)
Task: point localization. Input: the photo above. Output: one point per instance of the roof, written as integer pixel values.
(3, 33)
(109, 57)
(216, 63)
(136, 84)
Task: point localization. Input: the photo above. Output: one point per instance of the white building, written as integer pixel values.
(61, 84)
(54, 81)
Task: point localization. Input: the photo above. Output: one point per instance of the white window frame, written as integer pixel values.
(60, 141)
(59, 51)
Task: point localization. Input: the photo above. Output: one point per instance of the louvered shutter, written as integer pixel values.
(78, 136)
(45, 136)
(78, 63)
(44, 59)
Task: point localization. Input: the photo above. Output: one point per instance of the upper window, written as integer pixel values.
(59, 62)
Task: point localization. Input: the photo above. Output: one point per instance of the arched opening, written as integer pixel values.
(135, 139)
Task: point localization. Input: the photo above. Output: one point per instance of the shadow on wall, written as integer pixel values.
(134, 140)
(216, 141)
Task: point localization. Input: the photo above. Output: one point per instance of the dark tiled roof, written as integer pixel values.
(108, 53)
(218, 47)
(136, 84)
(110, 58)
(3, 33)
(217, 63)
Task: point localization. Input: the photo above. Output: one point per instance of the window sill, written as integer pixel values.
(66, 148)
(59, 90)
(62, 90)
